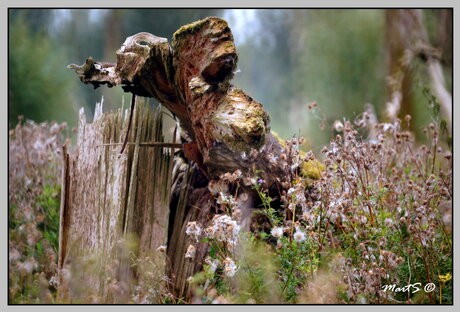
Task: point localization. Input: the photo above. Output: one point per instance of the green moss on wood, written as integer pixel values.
(240, 122)
(279, 139)
(190, 28)
(312, 169)
(194, 27)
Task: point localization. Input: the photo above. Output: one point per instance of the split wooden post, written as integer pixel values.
(114, 208)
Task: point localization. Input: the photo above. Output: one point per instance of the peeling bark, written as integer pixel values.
(192, 79)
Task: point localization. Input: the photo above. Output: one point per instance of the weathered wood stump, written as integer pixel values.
(223, 128)
(111, 204)
(192, 79)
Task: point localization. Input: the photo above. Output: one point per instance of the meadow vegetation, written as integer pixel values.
(380, 214)
(377, 211)
(34, 173)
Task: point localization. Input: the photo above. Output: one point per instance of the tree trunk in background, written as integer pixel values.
(444, 35)
(407, 38)
(112, 39)
(399, 98)
(224, 129)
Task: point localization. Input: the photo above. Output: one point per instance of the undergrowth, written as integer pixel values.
(34, 169)
(374, 228)
(374, 225)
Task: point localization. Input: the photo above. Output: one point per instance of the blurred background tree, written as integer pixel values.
(287, 59)
(40, 88)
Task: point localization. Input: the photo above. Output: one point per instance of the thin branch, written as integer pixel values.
(133, 103)
(147, 144)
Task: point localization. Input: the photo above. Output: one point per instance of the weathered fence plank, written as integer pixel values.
(115, 207)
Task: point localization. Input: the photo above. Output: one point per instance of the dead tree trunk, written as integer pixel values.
(192, 79)
(224, 129)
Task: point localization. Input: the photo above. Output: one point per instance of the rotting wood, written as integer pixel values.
(192, 79)
(110, 204)
(223, 128)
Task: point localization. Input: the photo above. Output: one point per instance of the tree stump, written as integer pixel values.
(192, 79)
(223, 130)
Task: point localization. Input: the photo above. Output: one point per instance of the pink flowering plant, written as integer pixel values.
(374, 227)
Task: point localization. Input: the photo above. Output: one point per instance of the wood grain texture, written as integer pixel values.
(114, 207)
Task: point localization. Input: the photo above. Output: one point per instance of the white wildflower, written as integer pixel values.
(307, 216)
(388, 221)
(191, 250)
(232, 177)
(338, 126)
(220, 300)
(216, 187)
(145, 300)
(14, 255)
(248, 181)
(28, 266)
(300, 197)
(387, 126)
(223, 229)
(54, 129)
(193, 230)
(227, 199)
(277, 232)
(238, 173)
(213, 264)
(299, 236)
(54, 281)
(230, 267)
(272, 159)
(236, 214)
(333, 217)
(38, 145)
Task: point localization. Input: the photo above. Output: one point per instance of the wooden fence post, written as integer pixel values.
(114, 208)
